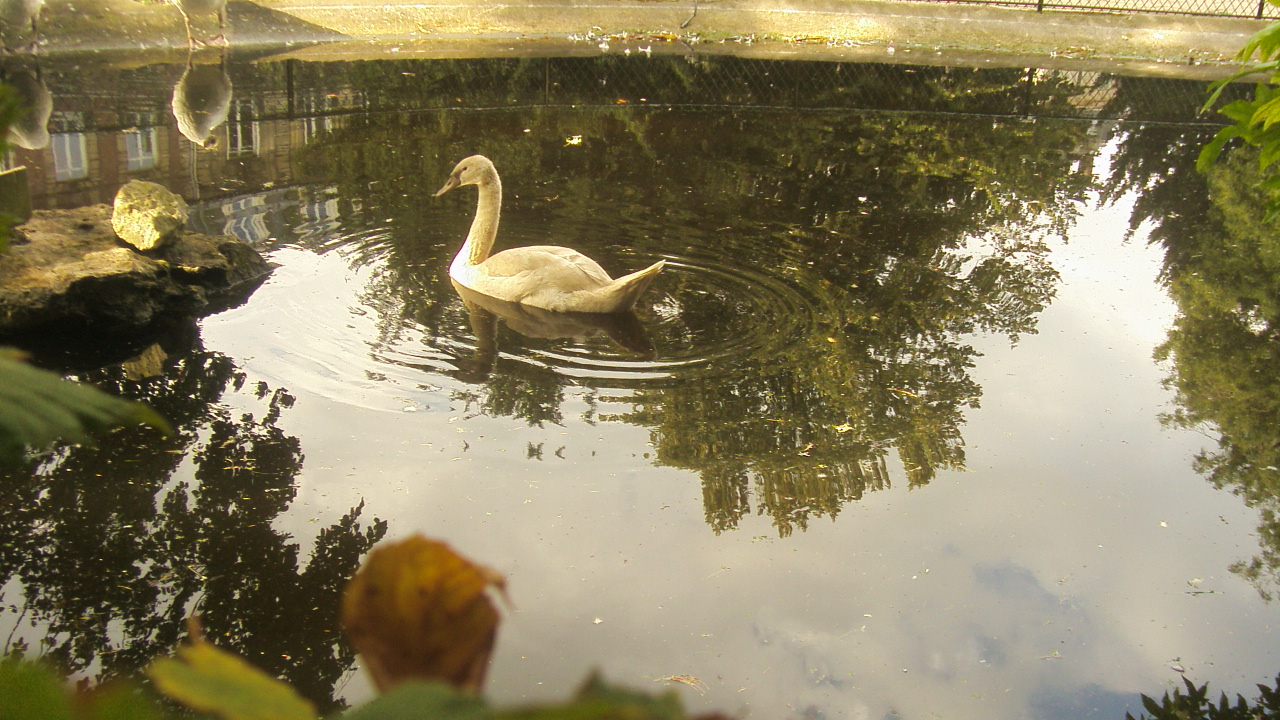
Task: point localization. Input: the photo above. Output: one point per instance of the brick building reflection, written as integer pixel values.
(110, 127)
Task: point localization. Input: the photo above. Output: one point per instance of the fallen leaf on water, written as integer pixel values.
(689, 680)
(419, 611)
(844, 428)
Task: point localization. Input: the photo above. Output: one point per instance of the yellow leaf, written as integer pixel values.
(215, 682)
(419, 611)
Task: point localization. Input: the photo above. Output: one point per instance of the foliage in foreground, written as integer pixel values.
(1256, 121)
(217, 684)
(1196, 705)
(38, 407)
(418, 613)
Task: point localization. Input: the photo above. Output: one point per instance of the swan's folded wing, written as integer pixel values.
(555, 267)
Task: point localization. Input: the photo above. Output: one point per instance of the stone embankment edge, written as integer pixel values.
(811, 28)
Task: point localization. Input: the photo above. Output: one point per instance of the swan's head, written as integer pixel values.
(475, 170)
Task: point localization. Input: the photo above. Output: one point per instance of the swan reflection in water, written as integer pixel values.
(35, 105)
(623, 328)
(202, 100)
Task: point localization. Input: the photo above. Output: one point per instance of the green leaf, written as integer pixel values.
(422, 700)
(597, 700)
(1241, 111)
(38, 407)
(1272, 209)
(1210, 152)
(30, 691)
(1216, 87)
(1270, 153)
(1264, 43)
(1271, 184)
(118, 701)
(1267, 114)
(213, 681)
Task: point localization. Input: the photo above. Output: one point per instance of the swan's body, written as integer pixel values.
(201, 102)
(544, 276)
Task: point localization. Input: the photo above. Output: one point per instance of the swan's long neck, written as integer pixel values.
(484, 228)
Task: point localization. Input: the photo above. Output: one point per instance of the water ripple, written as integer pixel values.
(705, 315)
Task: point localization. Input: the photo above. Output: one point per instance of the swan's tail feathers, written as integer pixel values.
(628, 288)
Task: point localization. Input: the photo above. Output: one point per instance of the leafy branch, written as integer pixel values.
(1255, 121)
(38, 407)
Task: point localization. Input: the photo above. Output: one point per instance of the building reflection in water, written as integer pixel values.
(96, 140)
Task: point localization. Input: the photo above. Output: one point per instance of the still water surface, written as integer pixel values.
(883, 440)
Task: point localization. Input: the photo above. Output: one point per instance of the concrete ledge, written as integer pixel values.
(848, 30)
(844, 24)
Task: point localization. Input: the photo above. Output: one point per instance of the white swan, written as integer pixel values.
(544, 276)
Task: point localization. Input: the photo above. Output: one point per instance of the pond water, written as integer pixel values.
(887, 437)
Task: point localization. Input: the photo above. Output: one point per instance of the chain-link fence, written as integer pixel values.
(108, 98)
(1256, 9)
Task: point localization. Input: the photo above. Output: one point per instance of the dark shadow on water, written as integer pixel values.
(105, 549)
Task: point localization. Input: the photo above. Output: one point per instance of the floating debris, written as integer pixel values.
(689, 680)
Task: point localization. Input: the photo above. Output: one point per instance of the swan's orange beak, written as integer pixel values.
(449, 185)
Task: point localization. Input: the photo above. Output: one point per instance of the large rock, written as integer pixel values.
(67, 268)
(147, 215)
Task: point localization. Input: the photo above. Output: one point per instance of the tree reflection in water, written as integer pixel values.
(918, 232)
(1222, 268)
(901, 234)
(104, 551)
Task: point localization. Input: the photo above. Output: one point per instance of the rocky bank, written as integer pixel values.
(67, 269)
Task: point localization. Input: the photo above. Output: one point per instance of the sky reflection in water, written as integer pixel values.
(839, 488)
